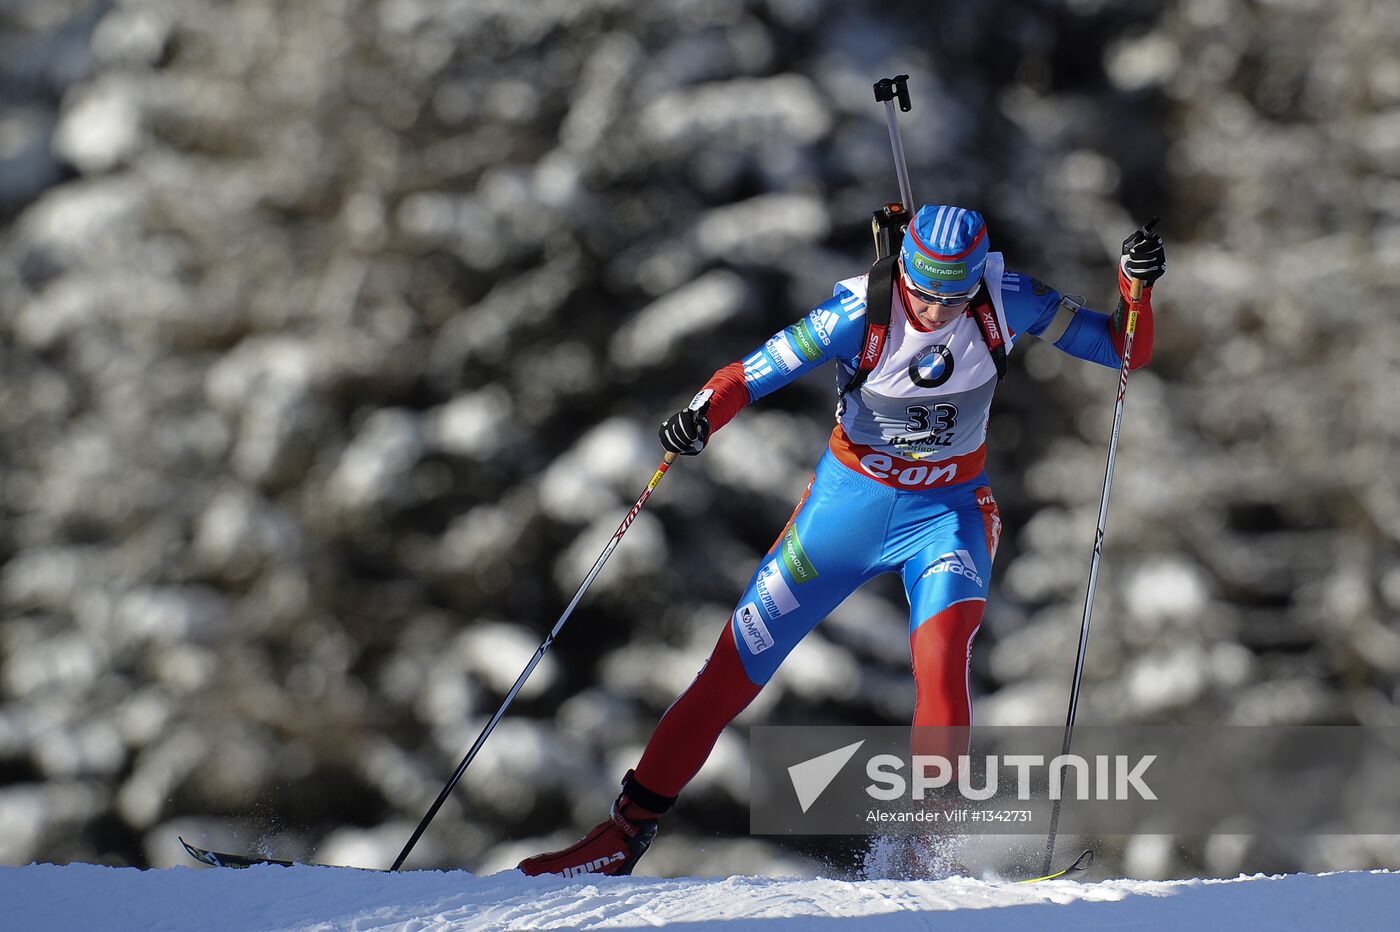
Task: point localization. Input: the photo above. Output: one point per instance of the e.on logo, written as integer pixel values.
(881, 466)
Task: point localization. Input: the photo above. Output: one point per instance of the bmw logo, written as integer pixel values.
(932, 367)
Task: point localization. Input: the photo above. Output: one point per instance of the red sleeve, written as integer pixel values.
(1142, 335)
(730, 396)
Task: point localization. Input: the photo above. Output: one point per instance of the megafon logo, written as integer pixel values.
(811, 777)
(948, 271)
(795, 558)
(805, 339)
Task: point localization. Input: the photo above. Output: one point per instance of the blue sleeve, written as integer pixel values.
(833, 330)
(1035, 308)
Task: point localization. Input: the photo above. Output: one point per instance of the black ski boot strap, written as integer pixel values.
(649, 800)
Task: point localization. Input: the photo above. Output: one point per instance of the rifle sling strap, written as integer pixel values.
(878, 303)
(879, 298)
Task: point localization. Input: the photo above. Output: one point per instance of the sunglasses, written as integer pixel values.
(947, 300)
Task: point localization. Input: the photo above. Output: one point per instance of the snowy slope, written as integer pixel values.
(85, 897)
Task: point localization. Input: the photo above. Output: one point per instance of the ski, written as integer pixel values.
(221, 859)
(239, 861)
(1080, 865)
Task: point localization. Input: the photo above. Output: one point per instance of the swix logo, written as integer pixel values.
(872, 348)
(989, 320)
(593, 866)
(637, 508)
(959, 563)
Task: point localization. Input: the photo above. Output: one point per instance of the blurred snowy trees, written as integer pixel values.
(333, 337)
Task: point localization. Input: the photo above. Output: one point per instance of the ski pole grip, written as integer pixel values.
(895, 88)
(1135, 289)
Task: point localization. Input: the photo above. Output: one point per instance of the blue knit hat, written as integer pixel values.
(945, 249)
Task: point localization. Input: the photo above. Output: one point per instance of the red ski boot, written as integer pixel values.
(614, 846)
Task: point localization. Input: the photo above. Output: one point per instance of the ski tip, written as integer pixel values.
(1079, 865)
(199, 854)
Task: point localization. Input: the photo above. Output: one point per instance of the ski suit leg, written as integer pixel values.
(687, 733)
(946, 580)
(829, 547)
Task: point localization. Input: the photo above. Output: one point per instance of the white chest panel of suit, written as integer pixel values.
(930, 394)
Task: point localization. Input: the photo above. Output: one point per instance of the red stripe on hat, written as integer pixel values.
(948, 257)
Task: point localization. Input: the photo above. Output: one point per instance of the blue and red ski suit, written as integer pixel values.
(900, 489)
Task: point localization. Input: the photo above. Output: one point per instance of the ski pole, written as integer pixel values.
(1135, 295)
(666, 462)
(886, 91)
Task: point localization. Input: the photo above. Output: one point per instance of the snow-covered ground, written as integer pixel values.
(54, 898)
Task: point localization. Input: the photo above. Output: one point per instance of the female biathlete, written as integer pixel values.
(901, 488)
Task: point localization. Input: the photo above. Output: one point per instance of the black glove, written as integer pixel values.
(1144, 256)
(686, 432)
